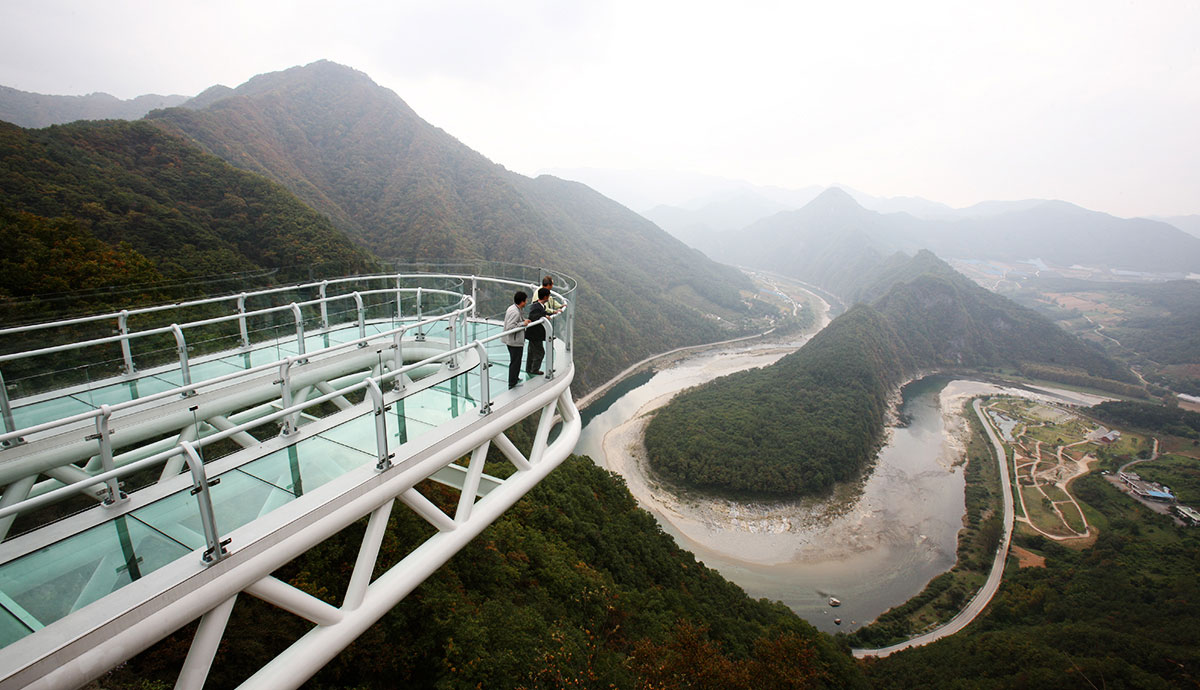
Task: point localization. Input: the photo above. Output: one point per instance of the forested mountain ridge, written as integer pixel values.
(405, 188)
(134, 185)
(816, 416)
(26, 109)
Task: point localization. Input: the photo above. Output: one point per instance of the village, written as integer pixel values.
(1051, 446)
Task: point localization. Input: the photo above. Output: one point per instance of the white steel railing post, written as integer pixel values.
(362, 317)
(10, 424)
(285, 392)
(126, 352)
(324, 305)
(208, 518)
(383, 458)
(399, 308)
(474, 297)
(185, 372)
(453, 328)
(549, 348)
(420, 330)
(241, 305)
(104, 436)
(485, 402)
(299, 327)
(398, 358)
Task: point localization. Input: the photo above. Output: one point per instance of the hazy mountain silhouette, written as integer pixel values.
(405, 188)
(836, 243)
(38, 110)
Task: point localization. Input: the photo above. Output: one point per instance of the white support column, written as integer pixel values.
(543, 433)
(511, 452)
(279, 593)
(368, 553)
(204, 646)
(425, 508)
(243, 439)
(471, 485)
(14, 493)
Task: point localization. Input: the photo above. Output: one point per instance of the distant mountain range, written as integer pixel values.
(26, 109)
(704, 211)
(833, 241)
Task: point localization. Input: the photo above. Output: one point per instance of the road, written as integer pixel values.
(985, 593)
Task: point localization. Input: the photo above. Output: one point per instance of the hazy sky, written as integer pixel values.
(1096, 102)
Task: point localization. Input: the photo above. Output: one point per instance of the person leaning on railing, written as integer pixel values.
(515, 340)
(553, 305)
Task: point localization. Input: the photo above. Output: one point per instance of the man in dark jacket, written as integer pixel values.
(536, 333)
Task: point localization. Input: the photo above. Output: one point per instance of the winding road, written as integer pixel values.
(985, 593)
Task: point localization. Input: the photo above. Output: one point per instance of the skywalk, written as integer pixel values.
(137, 502)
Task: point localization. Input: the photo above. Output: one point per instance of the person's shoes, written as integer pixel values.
(537, 373)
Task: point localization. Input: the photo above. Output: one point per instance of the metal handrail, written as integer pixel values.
(192, 387)
(201, 483)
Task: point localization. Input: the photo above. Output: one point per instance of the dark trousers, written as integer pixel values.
(537, 350)
(514, 365)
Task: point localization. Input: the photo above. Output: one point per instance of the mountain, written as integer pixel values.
(26, 109)
(404, 188)
(1188, 224)
(837, 244)
(816, 417)
(716, 216)
(113, 203)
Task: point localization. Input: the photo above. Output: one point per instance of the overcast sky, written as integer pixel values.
(1096, 102)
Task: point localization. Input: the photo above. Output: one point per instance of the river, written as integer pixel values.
(872, 545)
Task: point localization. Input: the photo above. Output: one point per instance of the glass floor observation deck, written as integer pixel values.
(426, 376)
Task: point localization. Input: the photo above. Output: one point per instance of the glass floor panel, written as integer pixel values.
(359, 433)
(306, 465)
(434, 406)
(48, 411)
(48, 584)
(238, 499)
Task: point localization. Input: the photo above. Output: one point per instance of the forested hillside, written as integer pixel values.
(816, 416)
(148, 194)
(406, 189)
(1122, 613)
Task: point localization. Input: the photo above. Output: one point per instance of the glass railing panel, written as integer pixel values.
(201, 371)
(306, 465)
(124, 392)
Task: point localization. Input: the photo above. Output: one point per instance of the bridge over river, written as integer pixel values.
(157, 463)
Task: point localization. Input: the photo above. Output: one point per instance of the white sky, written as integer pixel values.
(1093, 101)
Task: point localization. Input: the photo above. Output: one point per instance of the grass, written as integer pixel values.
(1072, 516)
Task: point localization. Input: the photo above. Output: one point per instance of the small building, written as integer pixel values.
(1151, 491)
(1189, 515)
(1110, 437)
